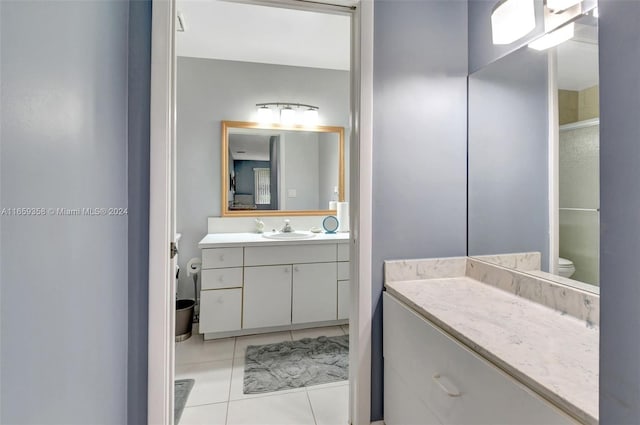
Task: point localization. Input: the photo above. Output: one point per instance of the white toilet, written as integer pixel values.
(565, 267)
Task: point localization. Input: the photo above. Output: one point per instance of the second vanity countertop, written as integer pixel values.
(554, 354)
(226, 240)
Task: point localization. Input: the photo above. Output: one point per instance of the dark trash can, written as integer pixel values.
(184, 319)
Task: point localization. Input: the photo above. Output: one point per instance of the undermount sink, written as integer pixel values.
(288, 236)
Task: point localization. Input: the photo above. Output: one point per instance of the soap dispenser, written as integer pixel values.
(259, 226)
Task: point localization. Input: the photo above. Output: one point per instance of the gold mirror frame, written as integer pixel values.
(226, 125)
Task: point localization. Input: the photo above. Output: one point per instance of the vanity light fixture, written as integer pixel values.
(288, 113)
(512, 20)
(554, 38)
(561, 5)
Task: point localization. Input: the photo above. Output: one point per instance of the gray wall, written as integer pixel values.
(212, 90)
(482, 51)
(508, 156)
(419, 142)
(63, 143)
(619, 40)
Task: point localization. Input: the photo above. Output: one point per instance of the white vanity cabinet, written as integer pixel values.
(263, 287)
(431, 378)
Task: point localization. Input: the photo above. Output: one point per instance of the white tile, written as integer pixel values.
(212, 381)
(282, 409)
(237, 383)
(330, 405)
(197, 350)
(208, 414)
(242, 342)
(317, 332)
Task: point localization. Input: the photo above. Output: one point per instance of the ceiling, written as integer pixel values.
(225, 30)
(253, 147)
(578, 58)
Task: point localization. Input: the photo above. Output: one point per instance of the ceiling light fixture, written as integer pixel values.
(554, 38)
(288, 113)
(512, 20)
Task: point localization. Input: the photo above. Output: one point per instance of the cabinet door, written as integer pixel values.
(220, 310)
(267, 296)
(315, 297)
(343, 299)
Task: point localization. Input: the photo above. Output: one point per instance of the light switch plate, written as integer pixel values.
(292, 193)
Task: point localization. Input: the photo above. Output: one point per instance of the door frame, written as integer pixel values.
(161, 229)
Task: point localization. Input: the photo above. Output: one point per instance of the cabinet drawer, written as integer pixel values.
(344, 270)
(215, 258)
(289, 254)
(220, 310)
(222, 278)
(343, 251)
(457, 385)
(343, 299)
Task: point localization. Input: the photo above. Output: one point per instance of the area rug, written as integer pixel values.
(182, 388)
(295, 364)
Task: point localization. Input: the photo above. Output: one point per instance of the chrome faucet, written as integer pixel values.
(287, 227)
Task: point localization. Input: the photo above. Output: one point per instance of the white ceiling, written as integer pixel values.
(250, 33)
(254, 147)
(578, 59)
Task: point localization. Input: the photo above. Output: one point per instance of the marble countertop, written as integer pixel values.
(554, 354)
(224, 240)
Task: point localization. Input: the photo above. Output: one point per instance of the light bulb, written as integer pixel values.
(265, 115)
(287, 116)
(310, 117)
(512, 20)
(554, 38)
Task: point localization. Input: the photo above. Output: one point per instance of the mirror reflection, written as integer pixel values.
(534, 155)
(270, 168)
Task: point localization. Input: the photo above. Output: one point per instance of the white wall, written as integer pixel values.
(63, 143)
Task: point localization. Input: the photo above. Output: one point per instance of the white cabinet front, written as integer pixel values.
(220, 310)
(314, 292)
(267, 296)
(343, 299)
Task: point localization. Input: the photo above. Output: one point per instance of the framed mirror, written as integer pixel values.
(533, 176)
(269, 169)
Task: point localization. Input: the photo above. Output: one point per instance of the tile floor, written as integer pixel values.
(217, 398)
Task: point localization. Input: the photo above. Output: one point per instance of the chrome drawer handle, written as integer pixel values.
(446, 385)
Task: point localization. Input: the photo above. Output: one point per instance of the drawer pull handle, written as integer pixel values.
(221, 278)
(221, 257)
(446, 385)
(286, 269)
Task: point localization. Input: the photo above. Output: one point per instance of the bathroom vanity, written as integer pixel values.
(467, 341)
(252, 284)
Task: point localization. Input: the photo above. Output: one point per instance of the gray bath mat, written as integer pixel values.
(182, 388)
(294, 364)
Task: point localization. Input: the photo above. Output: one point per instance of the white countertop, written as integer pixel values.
(555, 355)
(223, 240)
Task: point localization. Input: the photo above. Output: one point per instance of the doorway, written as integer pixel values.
(163, 214)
